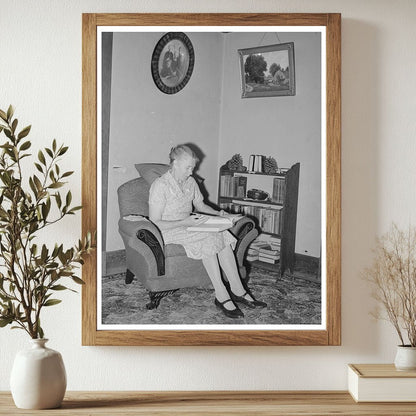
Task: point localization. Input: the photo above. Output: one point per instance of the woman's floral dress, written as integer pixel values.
(177, 205)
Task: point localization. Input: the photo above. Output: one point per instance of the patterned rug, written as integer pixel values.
(290, 301)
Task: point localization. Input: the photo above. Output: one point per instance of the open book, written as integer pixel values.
(215, 223)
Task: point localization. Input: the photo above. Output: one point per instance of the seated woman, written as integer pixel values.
(170, 206)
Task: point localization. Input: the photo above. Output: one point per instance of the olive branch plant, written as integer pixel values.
(393, 277)
(30, 273)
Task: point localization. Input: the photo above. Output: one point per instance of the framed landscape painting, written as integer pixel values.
(152, 82)
(279, 76)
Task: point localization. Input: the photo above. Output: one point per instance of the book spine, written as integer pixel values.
(251, 164)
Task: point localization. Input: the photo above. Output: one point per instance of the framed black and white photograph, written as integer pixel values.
(268, 71)
(172, 62)
(218, 219)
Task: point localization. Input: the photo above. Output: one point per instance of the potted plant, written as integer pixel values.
(31, 273)
(393, 277)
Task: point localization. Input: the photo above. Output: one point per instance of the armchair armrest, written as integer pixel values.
(140, 228)
(245, 232)
(242, 227)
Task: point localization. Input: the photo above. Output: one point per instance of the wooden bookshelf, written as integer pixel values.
(276, 215)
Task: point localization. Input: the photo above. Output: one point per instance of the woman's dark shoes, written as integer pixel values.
(250, 303)
(231, 313)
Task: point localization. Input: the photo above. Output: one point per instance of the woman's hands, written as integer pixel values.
(233, 217)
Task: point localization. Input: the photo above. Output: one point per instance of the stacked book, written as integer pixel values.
(275, 242)
(253, 249)
(269, 255)
(265, 251)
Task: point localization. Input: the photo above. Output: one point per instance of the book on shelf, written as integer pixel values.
(381, 383)
(279, 190)
(255, 163)
(269, 218)
(233, 186)
(214, 223)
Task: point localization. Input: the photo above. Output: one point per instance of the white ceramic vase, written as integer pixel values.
(38, 377)
(405, 358)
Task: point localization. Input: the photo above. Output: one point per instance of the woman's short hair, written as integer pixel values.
(177, 151)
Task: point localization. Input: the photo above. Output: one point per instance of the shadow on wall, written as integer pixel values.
(200, 180)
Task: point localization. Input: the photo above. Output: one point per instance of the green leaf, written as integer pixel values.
(34, 249)
(76, 279)
(68, 199)
(40, 331)
(45, 211)
(44, 253)
(54, 145)
(10, 112)
(77, 208)
(51, 302)
(63, 150)
(41, 157)
(39, 167)
(49, 152)
(33, 187)
(25, 145)
(8, 133)
(56, 185)
(67, 174)
(37, 182)
(3, 115)
(59, 287)
(5, 321)
(58, 199)
(14, 125)
(24, 132)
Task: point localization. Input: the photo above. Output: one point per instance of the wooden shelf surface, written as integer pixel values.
(179, 403)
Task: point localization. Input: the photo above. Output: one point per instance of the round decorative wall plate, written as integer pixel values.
(172, 62)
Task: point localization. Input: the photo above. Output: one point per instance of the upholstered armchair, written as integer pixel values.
(163, 269)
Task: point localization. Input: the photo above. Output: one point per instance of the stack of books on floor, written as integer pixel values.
(265, 251)
(269, 255)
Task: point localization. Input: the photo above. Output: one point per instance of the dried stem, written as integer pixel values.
(393, 276)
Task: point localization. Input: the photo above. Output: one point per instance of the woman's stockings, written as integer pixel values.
(229, 265)
(213, 269)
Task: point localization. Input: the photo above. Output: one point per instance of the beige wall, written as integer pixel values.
(146, 123)
(287, 128)
(41, 42)
(209, 111)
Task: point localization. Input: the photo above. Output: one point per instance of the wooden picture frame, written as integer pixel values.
(273, 83)
(331, 334)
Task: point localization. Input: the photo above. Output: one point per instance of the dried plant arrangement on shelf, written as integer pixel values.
(30, 272)
(393, 277)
